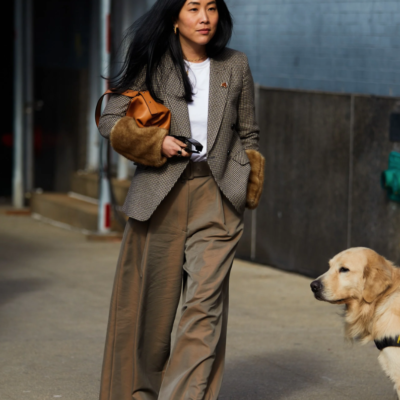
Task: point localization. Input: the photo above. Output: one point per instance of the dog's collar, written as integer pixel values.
(387, 342)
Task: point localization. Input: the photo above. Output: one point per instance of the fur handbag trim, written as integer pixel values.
(256, 178)
(141, 145)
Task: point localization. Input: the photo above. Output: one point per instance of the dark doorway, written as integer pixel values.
(61, 48)
(7, 33)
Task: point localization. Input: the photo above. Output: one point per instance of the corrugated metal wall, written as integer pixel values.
(324, 157)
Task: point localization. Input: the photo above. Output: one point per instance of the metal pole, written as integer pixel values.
(123, 16)
(29, 98)
(18, 181)
(93, 138)
(105, 37)
(123, 168)
(104, 222)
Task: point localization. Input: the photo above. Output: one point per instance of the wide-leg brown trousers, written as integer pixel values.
(186, 247)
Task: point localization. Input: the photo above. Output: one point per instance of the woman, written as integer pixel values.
(186, 210)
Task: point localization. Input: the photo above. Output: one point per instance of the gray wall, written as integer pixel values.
(348, 46)
(322, 194)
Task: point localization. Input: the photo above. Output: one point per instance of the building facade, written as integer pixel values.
(349, 46)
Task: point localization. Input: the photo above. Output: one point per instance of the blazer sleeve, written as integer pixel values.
(249, 135)
(247, 126)
(115, 110)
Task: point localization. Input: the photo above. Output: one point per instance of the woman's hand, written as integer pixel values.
(171, 146)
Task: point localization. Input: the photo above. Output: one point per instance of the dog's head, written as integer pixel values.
(354, 274)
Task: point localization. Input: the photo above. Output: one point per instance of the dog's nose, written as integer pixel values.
(316, 286)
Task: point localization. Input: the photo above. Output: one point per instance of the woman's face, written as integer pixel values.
(197, 21)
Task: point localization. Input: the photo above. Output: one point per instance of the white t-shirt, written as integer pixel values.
(199, 76)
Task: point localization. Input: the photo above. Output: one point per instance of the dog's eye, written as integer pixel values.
(343, 269)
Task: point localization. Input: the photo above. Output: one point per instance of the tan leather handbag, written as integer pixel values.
(146, 111)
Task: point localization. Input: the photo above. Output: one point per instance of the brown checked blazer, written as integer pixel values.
(232, 142)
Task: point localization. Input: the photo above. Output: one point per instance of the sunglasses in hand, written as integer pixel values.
(198, 147)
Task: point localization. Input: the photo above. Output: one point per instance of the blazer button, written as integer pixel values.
(233, 126)
(229, 152)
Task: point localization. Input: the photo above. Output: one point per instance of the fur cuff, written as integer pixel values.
(141, 145)
(256, 178)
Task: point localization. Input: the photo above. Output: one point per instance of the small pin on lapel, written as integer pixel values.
(224, 84)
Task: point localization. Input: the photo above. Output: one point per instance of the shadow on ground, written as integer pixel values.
(273, 375)
(12, 288)
(14, 251)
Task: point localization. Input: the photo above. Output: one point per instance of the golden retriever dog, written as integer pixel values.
(369, 287)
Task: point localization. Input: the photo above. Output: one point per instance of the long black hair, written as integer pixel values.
(148, 39)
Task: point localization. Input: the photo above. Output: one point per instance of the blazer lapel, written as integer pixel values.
(220, 73)
(180, 123)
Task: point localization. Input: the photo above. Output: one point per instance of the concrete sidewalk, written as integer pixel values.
(54, 295)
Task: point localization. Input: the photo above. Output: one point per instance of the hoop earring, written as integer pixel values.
(175, 30)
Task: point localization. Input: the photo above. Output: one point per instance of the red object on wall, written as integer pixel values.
(108, 216)
(108, 33)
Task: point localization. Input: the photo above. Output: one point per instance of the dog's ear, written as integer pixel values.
(378, 277)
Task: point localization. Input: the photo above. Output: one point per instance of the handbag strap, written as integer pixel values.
(127, 93)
